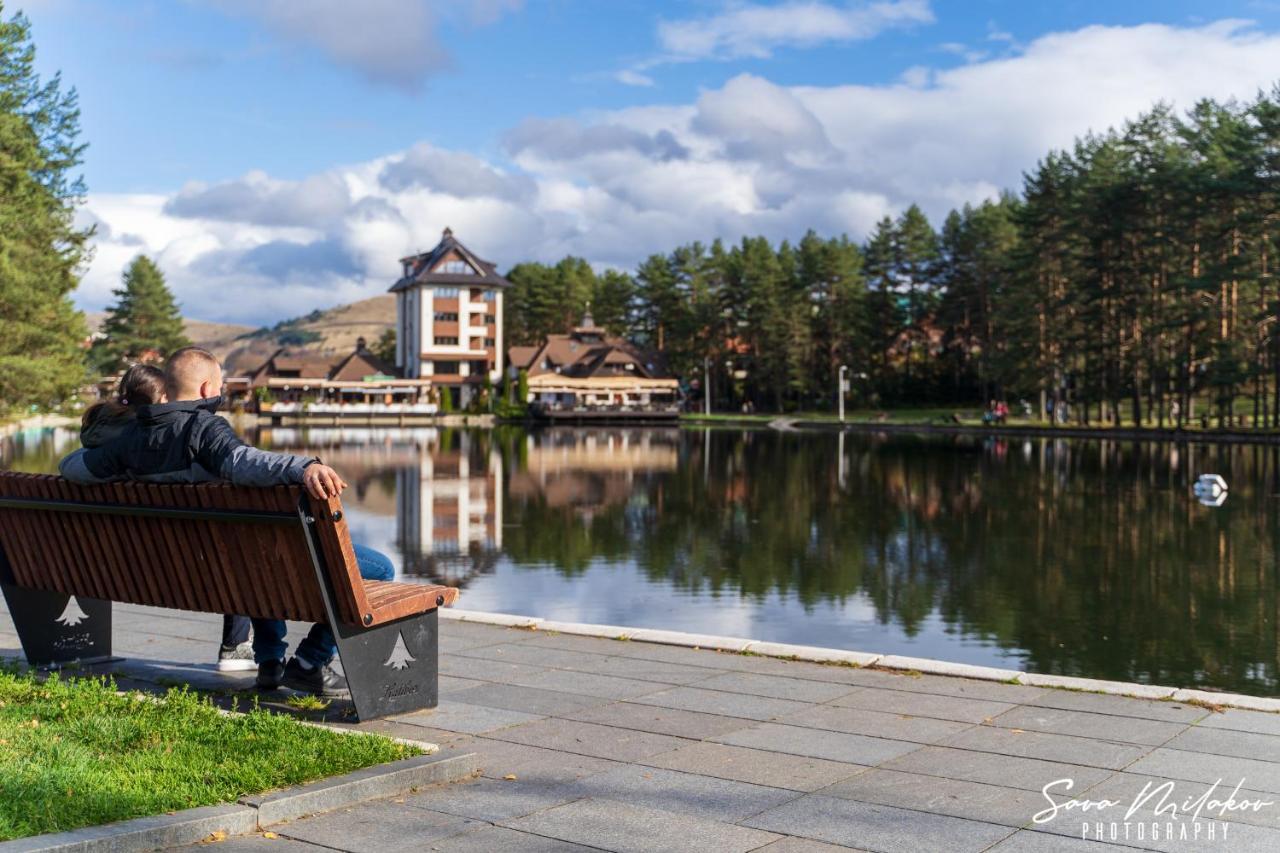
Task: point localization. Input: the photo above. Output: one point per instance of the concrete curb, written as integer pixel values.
(252, 813)
(814, 654)
(144, 833)
(371, 783)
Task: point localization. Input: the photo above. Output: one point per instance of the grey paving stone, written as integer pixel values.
(476, 634)
(498, 759)
(877, 827)
(1264, 747)
(1243, 721)
(685, 793)
(493, 799)
(528, 700)
(1156, 793)
(941, 707)
(472, 719)
(1028, 773)
(667, 721)
(488, 839)
(632, 829)
(797, 773)
(859, 721)
(1202, 767)
(1027, 841)
(973, 800)
(945, 685)
(540, 655)
(816, 743)
(590, 739)
(803, 845)
(453, 683)
(1110, 727)
(256, 842)
(379, 827)
(666, 672)
(719, 702)
(1048, 747)
(484, 669)
(1124, 706)
(756, 684)
(587, 683)
(1187, 833)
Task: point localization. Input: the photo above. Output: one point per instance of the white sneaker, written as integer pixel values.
(238, 659)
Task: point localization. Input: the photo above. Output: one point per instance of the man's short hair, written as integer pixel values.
(185, 367)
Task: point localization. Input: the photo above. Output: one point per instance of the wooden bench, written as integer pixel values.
(67, 551)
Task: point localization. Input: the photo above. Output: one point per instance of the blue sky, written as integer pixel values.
(290, 151)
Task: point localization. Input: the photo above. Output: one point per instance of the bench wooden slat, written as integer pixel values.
(217, 563)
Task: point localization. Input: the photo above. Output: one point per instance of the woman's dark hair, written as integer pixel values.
(141, 385)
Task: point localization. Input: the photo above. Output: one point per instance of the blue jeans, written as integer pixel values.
(318, 647)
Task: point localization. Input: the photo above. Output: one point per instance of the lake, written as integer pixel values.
(1077, 557)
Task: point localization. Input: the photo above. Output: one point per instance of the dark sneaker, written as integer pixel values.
(270, 674)
(236, 658)
(322, 681)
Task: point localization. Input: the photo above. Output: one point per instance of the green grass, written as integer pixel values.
(77, 753)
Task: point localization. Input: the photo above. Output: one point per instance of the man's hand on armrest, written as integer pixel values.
(321, 481)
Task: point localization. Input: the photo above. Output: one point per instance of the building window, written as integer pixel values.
(446, 293)
(489, 296)
(489, 342)
(456, 268)
(446, 317)
(445, 368)
(446, 341)
(490, 318)
(479, 368)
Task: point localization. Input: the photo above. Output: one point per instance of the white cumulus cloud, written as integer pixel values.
(748, 157)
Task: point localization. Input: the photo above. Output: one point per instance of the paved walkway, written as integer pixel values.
(600, 744)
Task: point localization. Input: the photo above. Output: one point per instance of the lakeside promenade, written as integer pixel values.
(590, 743)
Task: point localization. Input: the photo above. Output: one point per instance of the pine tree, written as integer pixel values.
(144, 321)
(41, 362)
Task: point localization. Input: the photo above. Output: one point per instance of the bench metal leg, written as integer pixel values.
(393, 668)
(58, 629)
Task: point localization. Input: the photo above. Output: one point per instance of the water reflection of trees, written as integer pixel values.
(1089, 556)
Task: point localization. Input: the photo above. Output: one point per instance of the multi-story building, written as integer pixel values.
(449, 319)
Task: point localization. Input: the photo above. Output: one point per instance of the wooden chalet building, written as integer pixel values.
(449, 319)
(360, 377)
(588, 375)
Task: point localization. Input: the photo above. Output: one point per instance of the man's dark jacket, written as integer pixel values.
(182, 442)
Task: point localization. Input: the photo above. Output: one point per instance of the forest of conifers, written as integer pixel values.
(1132, 278)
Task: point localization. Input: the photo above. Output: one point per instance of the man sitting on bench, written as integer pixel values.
(184, 441)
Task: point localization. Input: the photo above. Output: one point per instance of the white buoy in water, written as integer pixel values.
(1210, 489)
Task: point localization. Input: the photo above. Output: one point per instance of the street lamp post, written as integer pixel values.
(843, 386)
(706, 386)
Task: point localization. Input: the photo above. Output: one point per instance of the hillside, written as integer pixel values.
(334, 331)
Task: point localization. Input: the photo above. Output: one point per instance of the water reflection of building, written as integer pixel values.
(449, 509)
(588, 469)
(443, 488)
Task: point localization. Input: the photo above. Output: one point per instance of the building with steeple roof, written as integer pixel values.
(449, 319)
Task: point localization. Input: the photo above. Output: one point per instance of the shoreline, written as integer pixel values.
(1122, 433)
(842, 657)
(44, 421)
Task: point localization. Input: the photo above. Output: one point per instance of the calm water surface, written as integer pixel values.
(1076, 557)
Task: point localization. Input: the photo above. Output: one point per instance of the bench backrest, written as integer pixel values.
(214, 548)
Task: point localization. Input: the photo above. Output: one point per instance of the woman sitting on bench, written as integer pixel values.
(143, 385)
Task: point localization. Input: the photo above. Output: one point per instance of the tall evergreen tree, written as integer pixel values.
(145, 319)
(41, 250)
